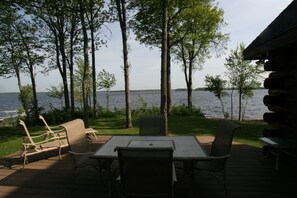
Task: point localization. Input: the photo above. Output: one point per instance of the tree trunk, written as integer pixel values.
(189, 85)
(71, 68)
(223, 109)
(239, 104)
(169, 100)
(35, 101)
(243, 111)
(93, 63)
(232, 91)
(86, 66)
(64, 68)
(164, 92)
(121, 8)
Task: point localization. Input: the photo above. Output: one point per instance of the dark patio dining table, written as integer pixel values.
(184, 147)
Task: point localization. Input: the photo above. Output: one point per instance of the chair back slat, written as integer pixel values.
(224, 137)
(146, 171)
(152, 125)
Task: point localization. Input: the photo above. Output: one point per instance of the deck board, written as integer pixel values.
(247, 176)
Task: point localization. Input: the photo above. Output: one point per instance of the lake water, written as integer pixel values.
(206, 101)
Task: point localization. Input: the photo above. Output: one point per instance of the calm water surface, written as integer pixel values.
(206, 101)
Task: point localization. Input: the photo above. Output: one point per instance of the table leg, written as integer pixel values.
(277, 159)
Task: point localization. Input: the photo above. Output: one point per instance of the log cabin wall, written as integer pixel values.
(281, 100)
(276, 46)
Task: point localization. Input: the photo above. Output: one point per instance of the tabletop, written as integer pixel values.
(184, 147)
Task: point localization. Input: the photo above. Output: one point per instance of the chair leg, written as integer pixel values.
(60, 153)
(25, 160)
(73, 177)
(225, 185)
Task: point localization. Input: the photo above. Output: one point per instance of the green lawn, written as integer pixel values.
(11, 137)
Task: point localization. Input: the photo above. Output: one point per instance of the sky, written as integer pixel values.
(245, 19)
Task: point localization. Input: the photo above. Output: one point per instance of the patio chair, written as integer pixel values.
(146, 172)
(56, 131)
(220, 152)
(80, 148)
(152, 125)
(37, 144)
(60, 133)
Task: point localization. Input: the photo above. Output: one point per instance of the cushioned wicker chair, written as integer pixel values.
(38, 144)
(152, 125)
(220, 152)
(146, 172)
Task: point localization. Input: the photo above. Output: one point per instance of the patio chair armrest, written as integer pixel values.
(218, 157)
(55, 127)
(39, 136)
(80, 154)
(58, 130)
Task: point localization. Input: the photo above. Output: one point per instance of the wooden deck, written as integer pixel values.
(247, 176)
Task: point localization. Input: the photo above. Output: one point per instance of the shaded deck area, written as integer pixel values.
(247, 176)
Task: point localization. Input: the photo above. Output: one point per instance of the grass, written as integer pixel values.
(11, 137)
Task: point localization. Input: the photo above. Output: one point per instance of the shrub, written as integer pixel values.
(183, 110)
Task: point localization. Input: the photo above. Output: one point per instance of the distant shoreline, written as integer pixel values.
(141, 90)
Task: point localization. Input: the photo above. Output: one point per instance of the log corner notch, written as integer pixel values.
(276, 48)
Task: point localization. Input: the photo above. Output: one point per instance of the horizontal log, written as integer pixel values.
(274, 66)
(274, 83)
(285, 83)
(273, 132)
(277, 100)
(274, 117)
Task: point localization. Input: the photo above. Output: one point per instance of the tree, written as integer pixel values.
(186, 22)
(242, 75)
(60, 20)
(106, 81)
(32, 48)
(122, 18)
(217, 85)
(96, 16)
(20, 47)
(78, 81)
(11, 60)
(164, 69)
(200, 25)
(86, 66)
(26, 97)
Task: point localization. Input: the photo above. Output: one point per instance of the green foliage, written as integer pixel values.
(183, 110)
(216, 85)
(26, 97)
(242, 75)
(56, 92)
(106, 81)
(142, 108)
(56, 116)
(78, 80)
